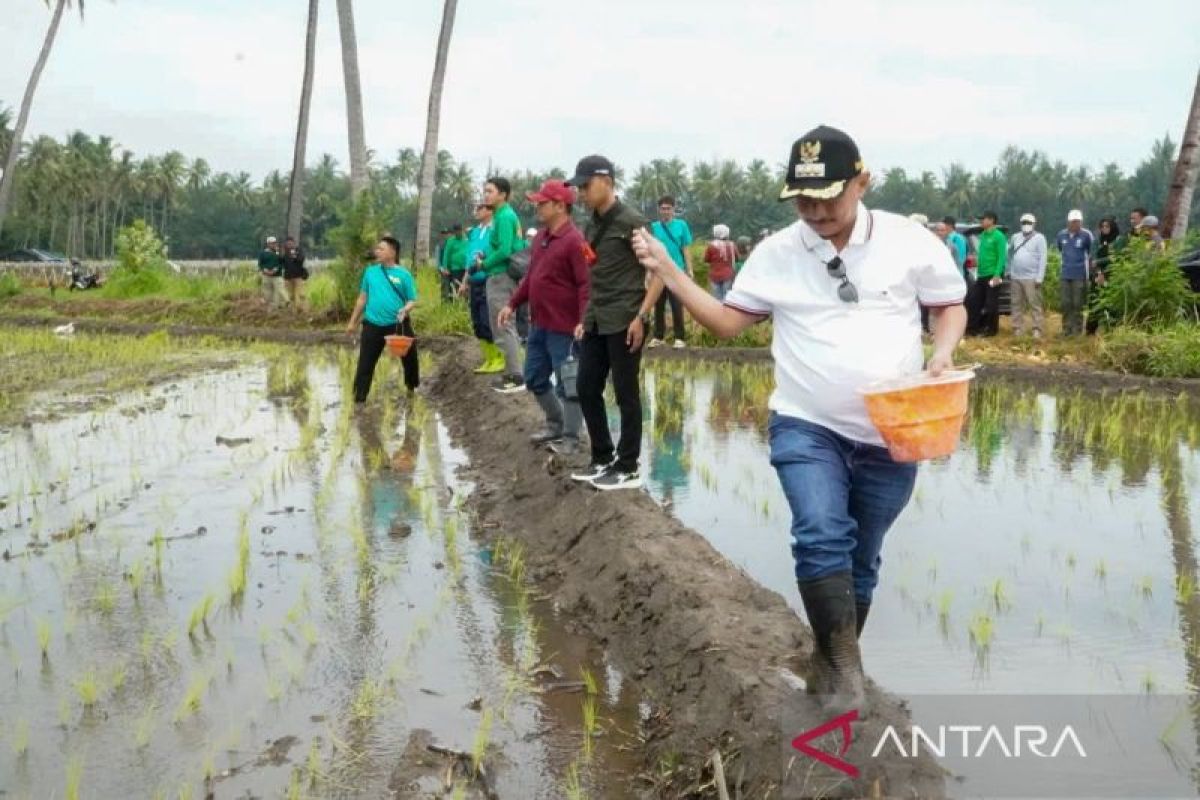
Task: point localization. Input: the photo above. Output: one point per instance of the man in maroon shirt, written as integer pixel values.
(556, 288)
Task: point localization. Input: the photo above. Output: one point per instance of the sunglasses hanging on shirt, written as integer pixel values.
(845, 290)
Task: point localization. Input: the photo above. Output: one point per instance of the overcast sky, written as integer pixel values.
(537, 83)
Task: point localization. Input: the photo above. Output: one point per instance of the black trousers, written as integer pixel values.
(983, 309)
(601, 354)
(660, 315)
(370, 347)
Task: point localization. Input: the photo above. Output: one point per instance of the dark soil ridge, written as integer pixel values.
(707, 645)
(1075, 376)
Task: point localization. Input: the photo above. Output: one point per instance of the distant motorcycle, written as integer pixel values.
(81, 279)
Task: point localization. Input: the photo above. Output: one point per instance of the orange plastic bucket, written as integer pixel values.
(398, 346)
(920, 417)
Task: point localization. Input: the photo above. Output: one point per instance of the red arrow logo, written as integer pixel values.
(842, 724)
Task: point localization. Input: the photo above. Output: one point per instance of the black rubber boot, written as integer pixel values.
(861, 610)
(836, 671)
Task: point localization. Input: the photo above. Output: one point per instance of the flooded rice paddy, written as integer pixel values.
(1053, 553)
(235, 584)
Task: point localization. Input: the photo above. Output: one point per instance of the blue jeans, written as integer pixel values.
(844, 497)
(721, 288)
(544, 354)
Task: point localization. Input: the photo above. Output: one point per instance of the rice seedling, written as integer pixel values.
(483, 735)
(64, 712)
(199, 615)
(1149, 683)
(998, 592)
(88, 689)
(1145, 587)
(981, 630)
(367, 700)
(192, 698)
(159, 542)
(137, 574)
(20, 738)
(43, 637)
(294, 790)
(573, 789)
(312, 764)
(1071, 560)
(143, 729)
(590, 724)
(309, 632)
(1185, 589)
(106, 599)
(238, 573)
(117, 678)
(274, 691)
(74, 778)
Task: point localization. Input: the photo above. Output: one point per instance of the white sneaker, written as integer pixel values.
(614, 478)
(655, 343)
(594, 470)
(680, 344)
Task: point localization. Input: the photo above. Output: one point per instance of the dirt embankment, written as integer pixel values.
(708, 646)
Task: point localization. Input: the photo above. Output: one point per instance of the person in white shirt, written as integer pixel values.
(844, 286)
(1027, 270)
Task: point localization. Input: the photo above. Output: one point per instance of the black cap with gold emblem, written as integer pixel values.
(821, 162)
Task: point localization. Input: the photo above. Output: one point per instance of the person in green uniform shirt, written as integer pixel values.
(983, 303)
(454, 261)
(386, 297)
(505, 240)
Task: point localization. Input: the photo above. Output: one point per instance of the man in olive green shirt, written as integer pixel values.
(613, 327)
(505, 240)
(983, 304)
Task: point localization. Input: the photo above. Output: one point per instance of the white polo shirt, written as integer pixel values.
(826, 349)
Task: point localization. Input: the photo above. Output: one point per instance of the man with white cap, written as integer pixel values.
(1075, 242)
(1027, 271)
(843, 285)
(270, 272)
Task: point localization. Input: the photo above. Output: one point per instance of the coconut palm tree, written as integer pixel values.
(5, 131)
(10, 161)
(432, 124)
(1183, 178)
(354, 103)
(295, 212)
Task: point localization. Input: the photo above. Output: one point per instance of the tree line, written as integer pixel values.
(72, 196)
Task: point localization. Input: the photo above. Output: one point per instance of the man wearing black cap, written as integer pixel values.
(844, 286)
(613, 327)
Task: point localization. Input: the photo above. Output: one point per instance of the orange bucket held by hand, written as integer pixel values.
(920, 417)
(398, 346)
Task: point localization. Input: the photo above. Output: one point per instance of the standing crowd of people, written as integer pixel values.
(992, 263)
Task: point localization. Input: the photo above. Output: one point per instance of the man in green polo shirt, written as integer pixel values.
(505, 240)
(983, 303)
(613, 327)
(270, 272)
(453, 264)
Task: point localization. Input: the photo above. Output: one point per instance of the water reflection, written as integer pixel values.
(1043, 529)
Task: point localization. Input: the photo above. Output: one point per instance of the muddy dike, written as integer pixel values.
(714, 653)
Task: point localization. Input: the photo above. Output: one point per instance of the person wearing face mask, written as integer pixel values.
(1027, 271)
(843, 286)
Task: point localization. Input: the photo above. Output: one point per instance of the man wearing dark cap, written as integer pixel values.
(844, 286)
(556, 289)
(613, 327)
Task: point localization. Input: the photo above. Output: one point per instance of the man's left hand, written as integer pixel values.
(635, 334)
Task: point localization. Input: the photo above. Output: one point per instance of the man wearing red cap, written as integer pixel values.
(556, 288)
